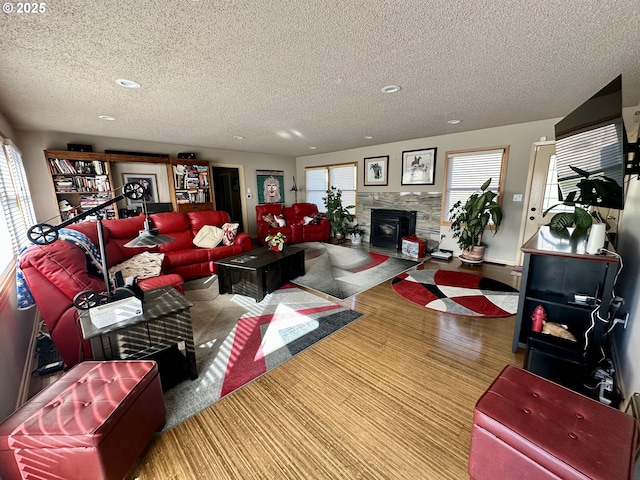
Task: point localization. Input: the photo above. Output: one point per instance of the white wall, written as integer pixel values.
(34, 144)
(504, 246)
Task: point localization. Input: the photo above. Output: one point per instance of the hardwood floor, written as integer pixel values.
(390, 396)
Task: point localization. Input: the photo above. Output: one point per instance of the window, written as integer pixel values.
(320, 179)
(551, 190)
(15, 200)
(467, 170)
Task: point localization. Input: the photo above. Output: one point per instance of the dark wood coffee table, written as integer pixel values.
(259, 271)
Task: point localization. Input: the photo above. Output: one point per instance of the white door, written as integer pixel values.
(538, 186)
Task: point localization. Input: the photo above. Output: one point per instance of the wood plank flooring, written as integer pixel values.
(390, 396)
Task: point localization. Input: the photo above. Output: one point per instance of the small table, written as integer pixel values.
(165, 321)
(259, 271)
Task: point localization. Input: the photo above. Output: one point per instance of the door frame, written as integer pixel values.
(527, 197)
(243, 198)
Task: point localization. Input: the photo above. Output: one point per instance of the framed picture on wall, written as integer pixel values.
(148, 182)
(419, 166)
(376, 170)
(270, 186)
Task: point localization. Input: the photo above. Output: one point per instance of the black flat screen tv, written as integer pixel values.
(592, 139)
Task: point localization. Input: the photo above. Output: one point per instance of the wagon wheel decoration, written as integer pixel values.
(88, 299)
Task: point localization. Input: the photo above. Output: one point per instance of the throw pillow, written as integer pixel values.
(308, 220)
(229, 232)
(270, 219)
(209, 236)
(142, 265)
(280, 220)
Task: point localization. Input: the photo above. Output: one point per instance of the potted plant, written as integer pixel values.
(275, 241)
(469, 220)
(591, 191)
(337, 214)
(356, 233)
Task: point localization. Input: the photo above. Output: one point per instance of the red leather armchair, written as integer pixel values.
(294, 230)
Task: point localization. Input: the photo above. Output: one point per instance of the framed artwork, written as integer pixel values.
(419, 166)
(270, 186)
(148, 182)
(376, 170)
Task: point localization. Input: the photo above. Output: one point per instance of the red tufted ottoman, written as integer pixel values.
(526, 427)
(91, 423)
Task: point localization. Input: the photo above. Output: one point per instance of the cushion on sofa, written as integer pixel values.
(229, 233)
(271, 220)
(302, 210)
(207, 217)
(186, 256)
(280, 220)
(209, 236)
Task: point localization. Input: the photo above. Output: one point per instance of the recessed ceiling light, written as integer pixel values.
(106, 117)
(312, 148)
(454, 122)
(123, 82)
(391, 89)
(238, 137)
(368, 137)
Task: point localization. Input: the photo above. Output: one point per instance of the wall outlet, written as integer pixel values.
(517, 197)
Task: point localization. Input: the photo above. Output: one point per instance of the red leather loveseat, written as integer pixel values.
(56, 273)
(297, 229)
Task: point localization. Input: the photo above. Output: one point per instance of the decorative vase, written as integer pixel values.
(356, 238)
(597, 237)
(275, 247)
(339, 236)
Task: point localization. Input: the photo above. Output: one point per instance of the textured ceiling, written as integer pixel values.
(287, 75)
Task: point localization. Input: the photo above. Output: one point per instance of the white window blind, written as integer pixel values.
(320, 179)
(467, 171)
(15, 200)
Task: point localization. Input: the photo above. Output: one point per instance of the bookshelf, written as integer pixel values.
(190, 185)
(82, 180)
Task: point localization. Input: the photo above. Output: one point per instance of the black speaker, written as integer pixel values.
(76, 147)
(189, 155)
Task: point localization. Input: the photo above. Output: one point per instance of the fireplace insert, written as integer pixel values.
(388, 226)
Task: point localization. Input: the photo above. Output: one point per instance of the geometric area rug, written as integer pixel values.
(459, 293)
(238, 339)
(343, 272)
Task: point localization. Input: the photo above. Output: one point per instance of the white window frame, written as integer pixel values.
(329, 172)
(471, 160)
(15, 201)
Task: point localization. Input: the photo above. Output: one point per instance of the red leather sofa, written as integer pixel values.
(295, 231)
(56, 273)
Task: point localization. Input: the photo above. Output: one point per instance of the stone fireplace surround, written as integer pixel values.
(426, 204)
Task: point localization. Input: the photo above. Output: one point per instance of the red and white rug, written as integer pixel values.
(459, 293)
(238, 340)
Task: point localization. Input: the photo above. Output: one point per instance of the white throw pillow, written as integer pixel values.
(142, 265)
(307, 220)
(209, 236)
(281, 221)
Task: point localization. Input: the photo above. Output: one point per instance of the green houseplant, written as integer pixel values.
(275, 241)
(355, 232)
(337, 214)
(592, 190)
(469, 220)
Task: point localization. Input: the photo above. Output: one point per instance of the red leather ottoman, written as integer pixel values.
(91, 423)
(526, 427)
